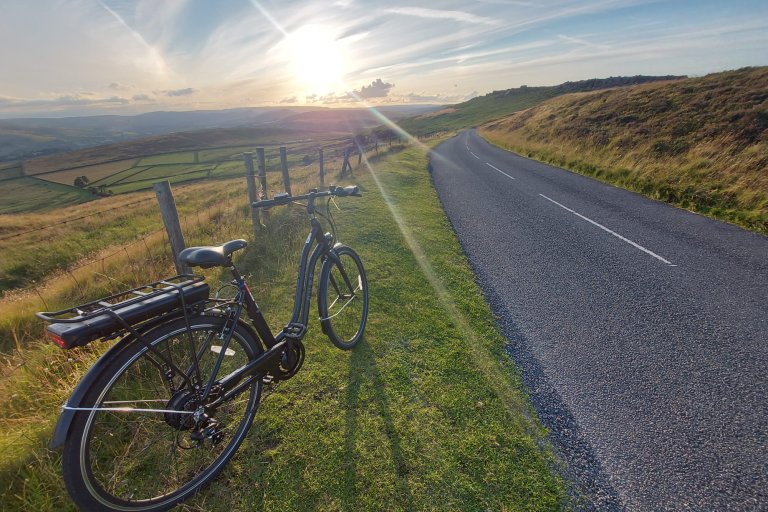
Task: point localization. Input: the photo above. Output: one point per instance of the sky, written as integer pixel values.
(88, 57)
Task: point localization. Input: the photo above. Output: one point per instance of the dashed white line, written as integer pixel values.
(630, 242)
(502, 172)
(474, 155)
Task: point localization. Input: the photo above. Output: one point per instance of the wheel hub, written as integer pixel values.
(181, 401)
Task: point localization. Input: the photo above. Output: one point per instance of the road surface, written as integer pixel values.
(641, 329)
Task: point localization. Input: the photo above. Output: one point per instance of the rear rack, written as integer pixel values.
(120, 300)
(79, 325)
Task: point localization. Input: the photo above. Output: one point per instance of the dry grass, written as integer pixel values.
(699, 143)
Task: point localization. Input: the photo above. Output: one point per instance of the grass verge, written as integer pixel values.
(425, 414)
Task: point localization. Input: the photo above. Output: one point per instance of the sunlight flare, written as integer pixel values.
(317, 58)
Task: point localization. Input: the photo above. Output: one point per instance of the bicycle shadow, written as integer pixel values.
(363, 371)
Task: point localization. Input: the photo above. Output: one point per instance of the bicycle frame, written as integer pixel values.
(233, 384)
(275, 345)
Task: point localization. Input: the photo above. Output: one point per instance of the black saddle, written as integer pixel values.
(213, 256)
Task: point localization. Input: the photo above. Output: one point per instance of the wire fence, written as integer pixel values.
(73, 219)
(150, 253)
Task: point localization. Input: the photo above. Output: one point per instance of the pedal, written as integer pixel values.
(267, 379)
(295, 331)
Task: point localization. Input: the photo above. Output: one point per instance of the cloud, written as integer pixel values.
(180, 92)
(60, 102)
(377, 89)
(441, 14)
(292, 99)
(117, 86)
(439, 98)
(143, 97)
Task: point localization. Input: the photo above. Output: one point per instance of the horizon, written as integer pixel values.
(115, 57)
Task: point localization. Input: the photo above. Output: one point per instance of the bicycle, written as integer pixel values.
(166, 407)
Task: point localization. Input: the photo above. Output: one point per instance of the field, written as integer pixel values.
(11, 170)
(187, 157)
(172, 143)
(699, 143)
(106, 175)
(93, 172)
(32, 194)
(427, 412)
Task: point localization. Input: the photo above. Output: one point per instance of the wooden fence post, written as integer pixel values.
(262, 192)
(171, 222)
(250, 177)
(322, 169)
(284, 167)
(345, 163)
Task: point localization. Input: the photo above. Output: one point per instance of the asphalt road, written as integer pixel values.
(641, 329)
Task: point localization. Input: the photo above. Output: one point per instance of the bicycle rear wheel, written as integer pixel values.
(128, 452)
(343, 298)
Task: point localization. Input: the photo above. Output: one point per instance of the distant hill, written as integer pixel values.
(700, 143)
(498, 104)
(28, 138)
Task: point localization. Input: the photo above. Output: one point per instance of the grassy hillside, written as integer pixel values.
(32, 194)
(50, 215)
(700, 143)
(51, 186)
(10, 170)
(161, 144)
(426, 413)
(501, 103)
(31, 137)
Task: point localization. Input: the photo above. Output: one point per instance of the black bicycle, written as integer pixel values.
(164, 409)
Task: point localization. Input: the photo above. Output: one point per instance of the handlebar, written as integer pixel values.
(284, 198)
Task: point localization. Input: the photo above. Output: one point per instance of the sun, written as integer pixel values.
(317, 58)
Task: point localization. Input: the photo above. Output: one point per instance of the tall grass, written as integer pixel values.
(699, 143)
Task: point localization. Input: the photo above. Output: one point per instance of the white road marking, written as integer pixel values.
(474, 155)
(630, 242)
(502, 172)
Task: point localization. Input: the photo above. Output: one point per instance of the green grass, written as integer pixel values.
(94, 173)
(31, 194)
(120, 176)
(215, 155)
(427, 413)
(184, 157)
(131, 175)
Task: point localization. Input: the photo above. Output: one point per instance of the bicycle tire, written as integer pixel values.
(342, 315)
(150, 461)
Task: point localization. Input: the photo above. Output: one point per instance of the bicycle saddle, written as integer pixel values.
(211, 256)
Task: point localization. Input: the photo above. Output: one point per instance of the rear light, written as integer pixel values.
(57, 340)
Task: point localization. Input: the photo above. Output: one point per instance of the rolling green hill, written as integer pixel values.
(699, 143)
(502, 103)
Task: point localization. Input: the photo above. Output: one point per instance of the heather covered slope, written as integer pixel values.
(699, 143)
(497, 104)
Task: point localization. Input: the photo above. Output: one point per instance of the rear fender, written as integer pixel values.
(81, 390)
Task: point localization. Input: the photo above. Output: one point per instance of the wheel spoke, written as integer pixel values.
(142, 444)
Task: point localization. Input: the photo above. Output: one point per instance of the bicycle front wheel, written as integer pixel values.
(135, 443)
(343, 298)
